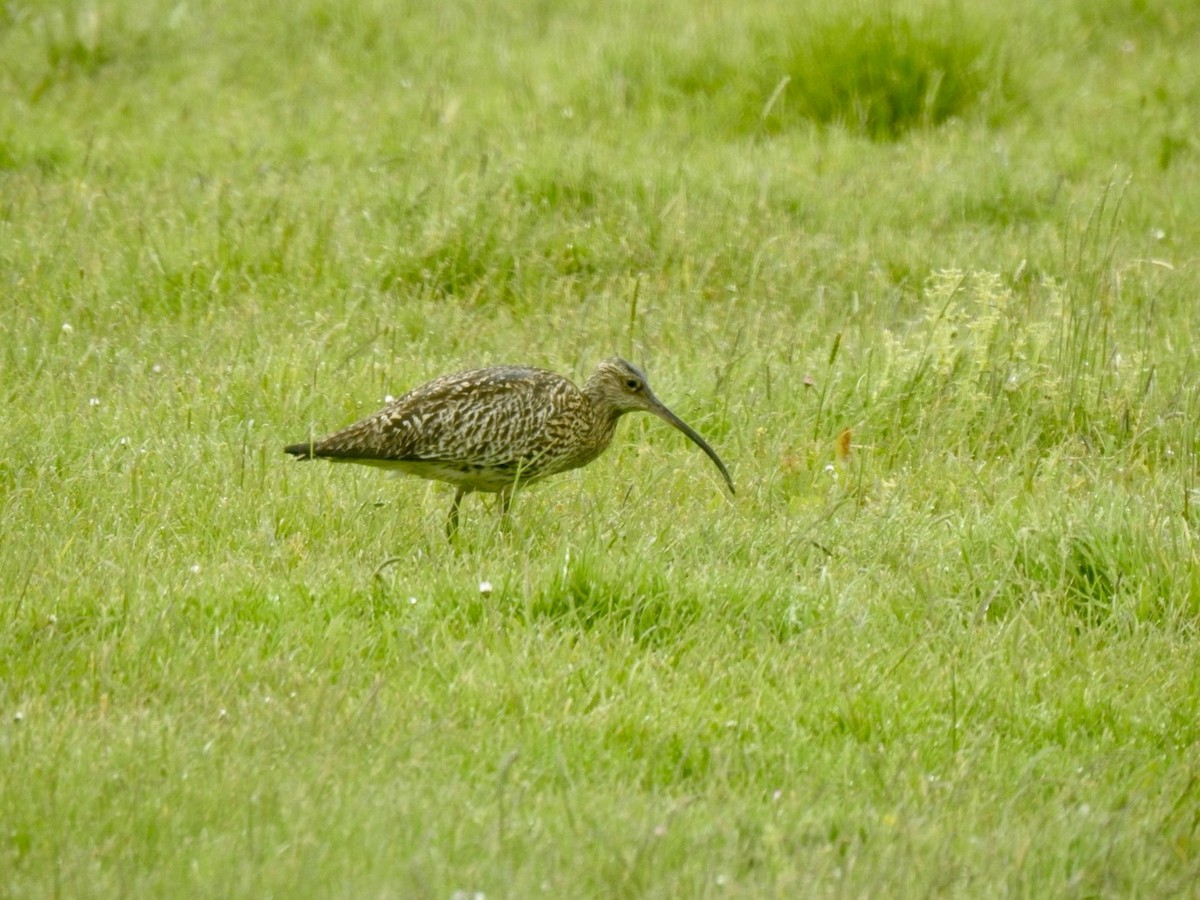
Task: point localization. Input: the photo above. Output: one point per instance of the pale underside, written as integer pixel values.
(462, 474)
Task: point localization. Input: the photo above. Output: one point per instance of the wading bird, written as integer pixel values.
(499, 428)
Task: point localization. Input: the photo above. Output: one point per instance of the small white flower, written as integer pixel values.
(67, 328)
(195, 569)
(18, 716)
(412, 601)
(485, 588)
(93, 401)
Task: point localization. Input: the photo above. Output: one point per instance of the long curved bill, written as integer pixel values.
(671, 419)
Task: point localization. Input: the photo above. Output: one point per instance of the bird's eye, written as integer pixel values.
(633, 384)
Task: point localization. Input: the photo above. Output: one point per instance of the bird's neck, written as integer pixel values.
(603, 413)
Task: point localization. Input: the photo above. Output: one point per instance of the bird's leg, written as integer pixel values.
(452, 519)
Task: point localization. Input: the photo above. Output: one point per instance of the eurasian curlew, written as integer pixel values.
(498, 428)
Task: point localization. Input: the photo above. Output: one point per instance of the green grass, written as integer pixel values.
(869, 70)
(960, 659)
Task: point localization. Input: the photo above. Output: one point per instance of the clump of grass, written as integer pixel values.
(1096, 562)
(978, 354)
(64, 43)
(514, 234)
(640, 605)
(881, 75)
(1029, 367)
(876, 73)
(79, 47)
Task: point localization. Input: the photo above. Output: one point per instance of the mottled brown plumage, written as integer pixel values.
(496, 428)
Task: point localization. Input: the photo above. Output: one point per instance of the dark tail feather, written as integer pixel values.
(302, 451)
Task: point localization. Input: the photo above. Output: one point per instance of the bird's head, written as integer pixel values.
(618, 387)
(621, 387)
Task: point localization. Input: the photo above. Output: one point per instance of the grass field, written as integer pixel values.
(924, 274)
